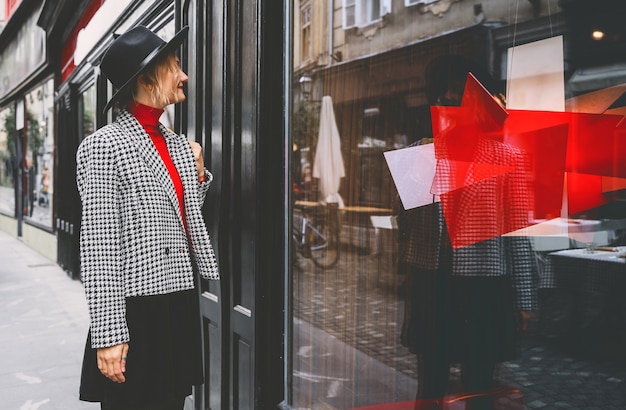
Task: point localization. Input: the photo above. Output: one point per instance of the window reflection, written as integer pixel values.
(527, 198)
(8, 161)
(39, 155)
(88, 106)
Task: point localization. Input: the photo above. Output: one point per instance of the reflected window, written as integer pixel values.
(305, 17)
(360, 13)
(349, 13)
(408, 3)
(369, 11)
(88, 107)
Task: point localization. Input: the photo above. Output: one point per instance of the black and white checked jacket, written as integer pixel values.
(133, 242)
(424, 236)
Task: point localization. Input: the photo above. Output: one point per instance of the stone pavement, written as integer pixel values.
(43, 322)
(43, 326)
(350, 317)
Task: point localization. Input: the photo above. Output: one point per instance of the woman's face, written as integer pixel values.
(173, 80)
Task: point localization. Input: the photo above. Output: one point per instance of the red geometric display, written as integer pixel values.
(502, 170)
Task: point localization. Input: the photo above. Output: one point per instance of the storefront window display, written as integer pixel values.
(88, 99)
(39, 154)
(8, 161)
(458, 183)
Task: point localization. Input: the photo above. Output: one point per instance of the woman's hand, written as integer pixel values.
(525, 317)
(197, 154)
(112, 362)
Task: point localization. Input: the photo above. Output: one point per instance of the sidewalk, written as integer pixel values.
(43, 323)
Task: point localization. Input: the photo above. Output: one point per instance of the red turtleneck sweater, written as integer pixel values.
(148, 117)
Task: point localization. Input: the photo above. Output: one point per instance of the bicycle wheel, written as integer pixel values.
(323, 239)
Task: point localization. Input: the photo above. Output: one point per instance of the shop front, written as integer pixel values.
(27, 165)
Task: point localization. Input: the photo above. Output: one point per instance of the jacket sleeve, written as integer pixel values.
(523, 272)
(100, 241)
(201, 242)
(523, 262)
(203, 187)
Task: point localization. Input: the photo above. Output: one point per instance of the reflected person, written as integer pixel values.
(466, 304)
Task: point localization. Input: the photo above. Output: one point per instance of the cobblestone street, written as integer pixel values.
(359, 305)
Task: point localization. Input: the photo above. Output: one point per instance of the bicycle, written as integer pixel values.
(316, 236)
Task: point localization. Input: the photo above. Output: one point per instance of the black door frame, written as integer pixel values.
(237, 109)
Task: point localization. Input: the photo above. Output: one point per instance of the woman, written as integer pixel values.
(143, 237)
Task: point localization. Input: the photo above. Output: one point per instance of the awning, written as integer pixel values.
(595, 78)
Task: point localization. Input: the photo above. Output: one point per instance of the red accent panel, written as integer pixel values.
(584, 192)
(67, 54)
(497, 170)
(545, 149)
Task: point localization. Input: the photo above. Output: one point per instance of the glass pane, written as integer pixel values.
(375, 10)
(8, 161)
(459, 229)
(305, 21)
(88, 99)
(349, 14)
(39, 157)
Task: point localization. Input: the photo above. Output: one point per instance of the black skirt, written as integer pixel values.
(462, 317)
(164, 356)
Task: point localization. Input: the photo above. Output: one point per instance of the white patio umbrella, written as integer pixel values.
(328, 162)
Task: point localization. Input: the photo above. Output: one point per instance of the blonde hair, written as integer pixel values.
(153, 75)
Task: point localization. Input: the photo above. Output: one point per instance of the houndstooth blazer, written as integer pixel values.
(132, 240)
(424, 234)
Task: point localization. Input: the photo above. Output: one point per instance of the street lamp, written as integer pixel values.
(305, 87)
(306, 116)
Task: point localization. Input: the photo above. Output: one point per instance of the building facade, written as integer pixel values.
(27, 142)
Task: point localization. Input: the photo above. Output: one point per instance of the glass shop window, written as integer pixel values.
(361, 13)
(39, 154)
(8, 161)
(458, 188)
(88, 107)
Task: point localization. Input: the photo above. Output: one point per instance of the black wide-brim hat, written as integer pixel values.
(131, 53)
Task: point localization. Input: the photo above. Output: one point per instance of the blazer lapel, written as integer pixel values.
(182, 157)
(178, 150)
(147, 152)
